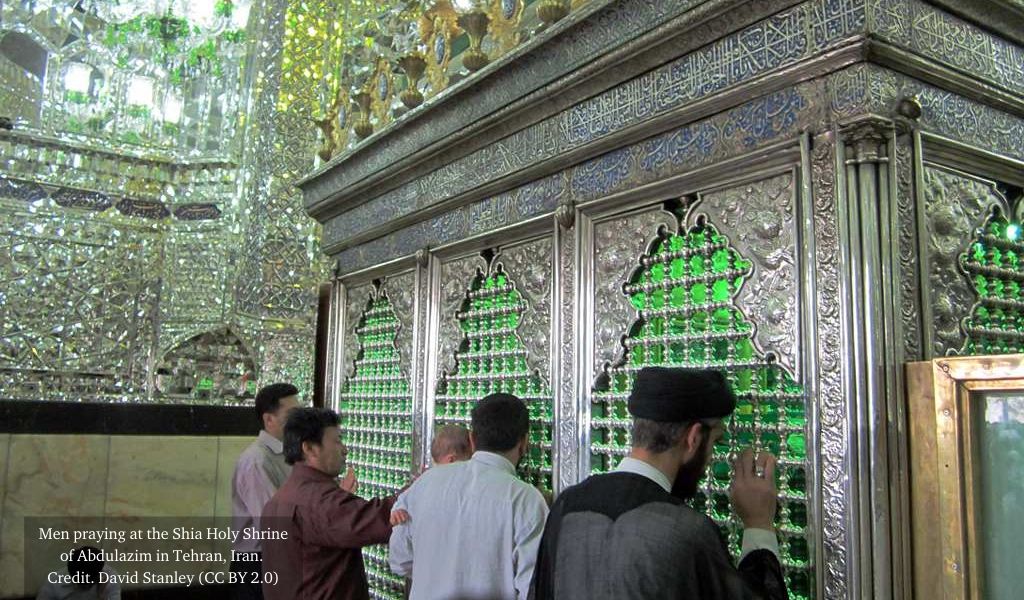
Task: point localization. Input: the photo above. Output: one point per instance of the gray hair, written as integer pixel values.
(657, 436)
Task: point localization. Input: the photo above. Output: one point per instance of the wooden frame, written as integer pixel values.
(946, 535)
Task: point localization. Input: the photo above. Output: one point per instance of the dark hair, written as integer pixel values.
(86, 561)
(499, 421)
(659, 436)
(268, 399)
(306, 425)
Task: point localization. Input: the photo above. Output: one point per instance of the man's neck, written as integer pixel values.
(663, 462)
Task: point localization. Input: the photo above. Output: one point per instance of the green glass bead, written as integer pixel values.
(656, 354)
(677, 325)
(699, 322)
(697, 352)
(978, 252)
(677, 353)
(744, 412)
(677, 270)
(657, 326)
(721, 471)
(657, 272)
(720, 291)
(699, 293)
(720, 261)
(796, 446)
(744, 380)
(997, 228)
(658, 299)
(721, 320)
(720, 350)
(697, 265)
(637, 355)
(697, 239)
(676, 243)
(677, 297)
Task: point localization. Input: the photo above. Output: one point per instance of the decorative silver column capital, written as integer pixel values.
(865, 141)
(422, 256)
(565, 214)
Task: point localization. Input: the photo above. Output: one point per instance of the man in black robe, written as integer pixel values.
(627, 535)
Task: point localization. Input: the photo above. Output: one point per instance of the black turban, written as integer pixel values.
(675, 395)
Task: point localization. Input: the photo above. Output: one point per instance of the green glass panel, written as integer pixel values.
(721, 320)
(699, 293)
(658, 299)
(796, 446)
(720, 261)
(657, 272)
(678, 297)
(699, 322)
(677, 325)
(720, 291)
(678, 268)
(697, 265)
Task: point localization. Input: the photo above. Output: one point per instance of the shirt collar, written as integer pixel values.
(494, 460)
(639, 467)
(304, 471)
(271, 442)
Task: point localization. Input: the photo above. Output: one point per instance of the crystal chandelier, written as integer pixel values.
(183, 38)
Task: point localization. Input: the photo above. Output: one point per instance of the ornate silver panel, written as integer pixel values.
(529, 267)
(355, 303)
(617, 245)
(567, 413)
(831, 407)
(759, 219)
(906, 246)
(955, 206)
(456, 275)
(401, 289)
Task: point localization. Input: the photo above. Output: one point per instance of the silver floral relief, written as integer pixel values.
(759, 220)
(909, 271)
(618, 246)
(568, 421)
(529, 269)
(831, 406)
(356, 299)
(956, 206)
(456, 277)
(401, 290)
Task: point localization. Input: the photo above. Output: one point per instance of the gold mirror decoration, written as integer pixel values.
(505, 18)
(380, 86)
(475, 22)
(413, 65)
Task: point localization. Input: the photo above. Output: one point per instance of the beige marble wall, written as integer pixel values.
(111, 478)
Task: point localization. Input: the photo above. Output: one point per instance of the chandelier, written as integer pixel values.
(183, 38)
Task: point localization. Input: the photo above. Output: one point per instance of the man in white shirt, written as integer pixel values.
(474, 526)
(260, 470)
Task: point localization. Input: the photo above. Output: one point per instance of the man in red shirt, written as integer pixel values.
(314, 528)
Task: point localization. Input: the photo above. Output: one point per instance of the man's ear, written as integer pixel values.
(307, 450)
(692, 439)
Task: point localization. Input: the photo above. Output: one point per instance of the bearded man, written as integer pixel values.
(628, 534)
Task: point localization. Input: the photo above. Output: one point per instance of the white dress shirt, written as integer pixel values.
(259, 472)
(474, 531)
(753, 539)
